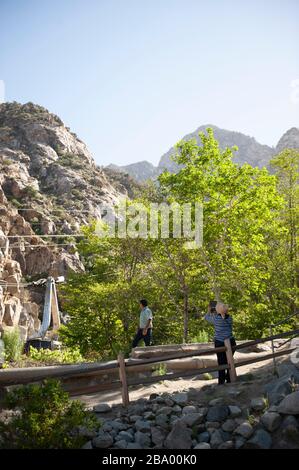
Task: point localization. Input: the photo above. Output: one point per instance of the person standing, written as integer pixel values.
(223, 325)
(145, 325)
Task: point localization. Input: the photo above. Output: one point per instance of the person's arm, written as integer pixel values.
(148, 324)
(144, 331)
(210, 318)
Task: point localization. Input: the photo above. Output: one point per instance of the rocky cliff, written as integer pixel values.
(49, 186)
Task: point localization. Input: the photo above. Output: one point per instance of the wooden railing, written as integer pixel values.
(71, 374)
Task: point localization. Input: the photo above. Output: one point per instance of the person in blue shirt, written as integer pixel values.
(145, 325)
(223, 325)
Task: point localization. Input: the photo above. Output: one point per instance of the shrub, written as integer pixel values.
(64, 356)
(71, 160)
(44, 418)
(201, 337)
(159, 370)
(13, 345)
(15, 202)
(6, 162)
(31, 192)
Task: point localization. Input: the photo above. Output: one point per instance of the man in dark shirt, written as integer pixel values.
(223, 325)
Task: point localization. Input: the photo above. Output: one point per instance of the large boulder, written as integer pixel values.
(179, 437)
(102, 441)
(290, 404)
(12, 312)
(260, 440)
(245, 430)
(218, 413)
(279, 388)
(271, 421)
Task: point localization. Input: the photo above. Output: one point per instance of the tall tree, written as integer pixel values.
(286, 167)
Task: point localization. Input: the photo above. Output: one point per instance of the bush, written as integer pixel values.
(159, 370)
(31, 192)
(64, 356)
(13, 345)
(201, 337)
(45, 418)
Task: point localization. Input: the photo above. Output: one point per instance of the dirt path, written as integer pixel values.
(253, 377)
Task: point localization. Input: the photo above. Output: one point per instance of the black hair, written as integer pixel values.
(143, 302)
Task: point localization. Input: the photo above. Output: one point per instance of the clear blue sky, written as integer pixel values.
(131, 77)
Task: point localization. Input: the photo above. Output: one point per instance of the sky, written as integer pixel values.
(132, 77)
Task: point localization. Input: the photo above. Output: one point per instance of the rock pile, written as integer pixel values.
(178, 422)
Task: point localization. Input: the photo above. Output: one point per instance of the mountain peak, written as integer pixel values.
(290, 139)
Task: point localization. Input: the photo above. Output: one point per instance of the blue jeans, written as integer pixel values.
(139, 336)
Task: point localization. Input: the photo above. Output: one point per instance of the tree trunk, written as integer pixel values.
(186, 317)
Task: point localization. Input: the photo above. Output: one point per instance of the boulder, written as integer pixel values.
(164, 410)
(158, 436)
(277, 389)
(134, 445)
(245, 430)
(260, 440)
(258, 404)
(181, 398)
(204, 437)
(161, 420)
(179, 437)
(212, 424)
(227, 445)
(143, 426)
(189, 409)
(271, 421)
(229, 425)
(102, 441)
(87, 445)
(216, 439)
(290, 404)
(121, 444)
(218, 413)
(124, 436)
(192, 418)
(216, 401)
(12, 312)
(102, 408)
(202, 445)
(143, 439)
(289, 421)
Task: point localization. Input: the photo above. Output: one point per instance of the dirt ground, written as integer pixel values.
(250, 383)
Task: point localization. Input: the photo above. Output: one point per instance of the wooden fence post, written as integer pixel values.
(230, 360)
(123, 379)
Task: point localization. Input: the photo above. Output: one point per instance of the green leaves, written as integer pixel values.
(45, 419)
(248, 258)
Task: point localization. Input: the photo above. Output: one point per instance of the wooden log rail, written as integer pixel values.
(66, 373)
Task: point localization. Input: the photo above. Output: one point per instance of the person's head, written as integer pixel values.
(222, 308)
(143, 303)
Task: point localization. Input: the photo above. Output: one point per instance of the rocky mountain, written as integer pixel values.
(290, 139)
(250, 151)
(140, 171)
(49, 186)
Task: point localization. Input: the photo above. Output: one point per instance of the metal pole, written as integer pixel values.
(275, 372)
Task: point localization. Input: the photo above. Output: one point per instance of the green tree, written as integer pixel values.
(240, 211)
(286, 168)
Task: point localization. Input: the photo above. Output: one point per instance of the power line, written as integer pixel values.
(84, 211)
(45, 221)
(45, 236)
(41, 246)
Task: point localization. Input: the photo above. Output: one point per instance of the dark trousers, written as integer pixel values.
(223, 375)
(139, 336)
